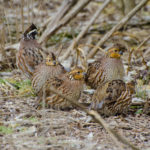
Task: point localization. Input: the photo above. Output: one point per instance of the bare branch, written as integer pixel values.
(142, 43)
(82, 33)
(49, 31)
(13, 46)
(117, 27)
(138, 48)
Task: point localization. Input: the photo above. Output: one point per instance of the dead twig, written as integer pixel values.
(16, 96)
(142, 43)
(91, 45)
(49, 31)
(129, 60)
(13, 46)
(138, 103)
(6, 74)
(118, 139)
(82, 33)
(144, 62)
(43, 101)
(120, 24)
(138, 48)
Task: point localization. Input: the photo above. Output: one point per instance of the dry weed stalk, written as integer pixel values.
(126, 34)
(81, 54)
(129, 59)
(92, 46)
(144, 62)
(83, 59)
(22, 14)
(43, 101)
(138, 48)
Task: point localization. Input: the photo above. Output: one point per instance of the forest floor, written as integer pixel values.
(24, 128)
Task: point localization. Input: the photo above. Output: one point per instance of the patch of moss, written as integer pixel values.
(141, 94)
(32, 119)
(2, 81)
(23, 87)
(5, 130)
(60, 36)
(139, 111)
(135, 107)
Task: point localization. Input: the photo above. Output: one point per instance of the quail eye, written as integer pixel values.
(115, 50)
(78, 72)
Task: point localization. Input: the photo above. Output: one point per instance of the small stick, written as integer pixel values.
(129, 60)
(120, 24)
(138, 48)
(83, 59)
(142, 43)
(91, 45)
(13, 46)
(43, 101)
(59, 51)
(22, 15)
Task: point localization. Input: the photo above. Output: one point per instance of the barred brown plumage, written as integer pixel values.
(69, 84)
(49, 68)
(107, 68)
(30, 53)
(112, 98)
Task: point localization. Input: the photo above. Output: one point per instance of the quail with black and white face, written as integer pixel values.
(30, 52)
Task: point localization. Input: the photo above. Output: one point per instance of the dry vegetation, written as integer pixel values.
(22, 127)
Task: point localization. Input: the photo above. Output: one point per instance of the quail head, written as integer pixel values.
(30, 53)
(107, 68)
(49, 68)
(112, 98)
(69, 84)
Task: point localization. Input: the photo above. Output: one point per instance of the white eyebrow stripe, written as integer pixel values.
(32, 31)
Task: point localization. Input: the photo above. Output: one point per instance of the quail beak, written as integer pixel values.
(84, 74)
(35, 31)
(121, 52)
(54, 62)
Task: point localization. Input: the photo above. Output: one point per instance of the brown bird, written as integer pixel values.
(47, 69)
(112, 98)
(30, 53)
(107, 68)
(69, 84)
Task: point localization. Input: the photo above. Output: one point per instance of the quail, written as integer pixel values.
(30, 53)
(49, 68)
(69, 84)
(112, 98)
(107, 68)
